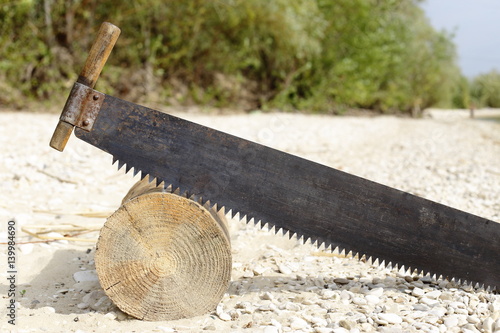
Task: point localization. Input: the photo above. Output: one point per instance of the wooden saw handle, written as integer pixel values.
(99, 53)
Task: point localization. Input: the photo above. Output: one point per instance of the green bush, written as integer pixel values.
(318, 55)
(485, 90)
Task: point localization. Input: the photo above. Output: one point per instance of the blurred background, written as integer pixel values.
(321, 56)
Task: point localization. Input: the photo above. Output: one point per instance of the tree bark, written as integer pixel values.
(162, 256)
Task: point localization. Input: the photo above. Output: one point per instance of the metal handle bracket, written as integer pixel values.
(82, 106)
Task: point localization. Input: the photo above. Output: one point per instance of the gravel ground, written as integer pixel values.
(278, 285)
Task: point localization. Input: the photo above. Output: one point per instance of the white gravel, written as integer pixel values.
(278, 285)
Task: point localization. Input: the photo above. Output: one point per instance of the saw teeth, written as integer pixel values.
(127, 168)
(158, 182)
(317, 242)
(120, 164)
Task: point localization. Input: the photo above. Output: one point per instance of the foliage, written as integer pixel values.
(321, 55)
(485, 90)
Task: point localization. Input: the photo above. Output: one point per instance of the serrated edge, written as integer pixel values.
(303, 238)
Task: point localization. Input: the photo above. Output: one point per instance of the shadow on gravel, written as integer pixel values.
(55, 286)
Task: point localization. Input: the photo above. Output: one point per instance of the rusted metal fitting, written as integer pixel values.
(82, 107)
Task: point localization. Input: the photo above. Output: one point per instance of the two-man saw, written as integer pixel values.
(284, 192)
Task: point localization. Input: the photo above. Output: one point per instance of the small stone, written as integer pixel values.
(270, 329)
(221, 314)
(248, 273)
(328, 294)
(48, 310)
(85, 276)
(267, 307)
(372, 299)
(487, 325)
(428, 301)
(473, 320)
(497, 325)
(284, 269)
(246, 307)
(469, 328)
(446, 296)
(346, 295)
(391, 318)
(341, 280)
(376, 292)
(359, 301)
(290, 306)
(347, 324)
(438, 311)
(110, 315)
(267, 296)
(451, 321)
(433, 294)
(400, 299)
(420, 307)
(418, 292)
(121, 315)
(276, 324)
(82, 305)
(317, 321)
(259, 270)
(297, 323)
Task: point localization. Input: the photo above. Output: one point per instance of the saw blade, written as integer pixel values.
(299, 197)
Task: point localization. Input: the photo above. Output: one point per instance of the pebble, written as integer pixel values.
(451, 321)
(221, 314)
(418, 292)
(487, 325)
(284, 269)
(391, 318)
(267, 296)
(340, 280)
(372, 299)
(48, 310)
(435, 294)
(110, 315)
(270, 329)
(328, 294)
(259, 270)
(428, 301)
(376, 292)
(297, 323)
(85, 276)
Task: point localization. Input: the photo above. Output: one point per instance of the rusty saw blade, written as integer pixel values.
(297, 196)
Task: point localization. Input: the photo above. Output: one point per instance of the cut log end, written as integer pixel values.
(161, 256)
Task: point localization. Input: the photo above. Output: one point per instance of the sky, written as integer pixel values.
(476, 24)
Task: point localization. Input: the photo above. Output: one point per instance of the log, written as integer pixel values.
(162, 256)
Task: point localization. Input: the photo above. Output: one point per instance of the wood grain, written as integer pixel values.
(162, 256)
(98, 55)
